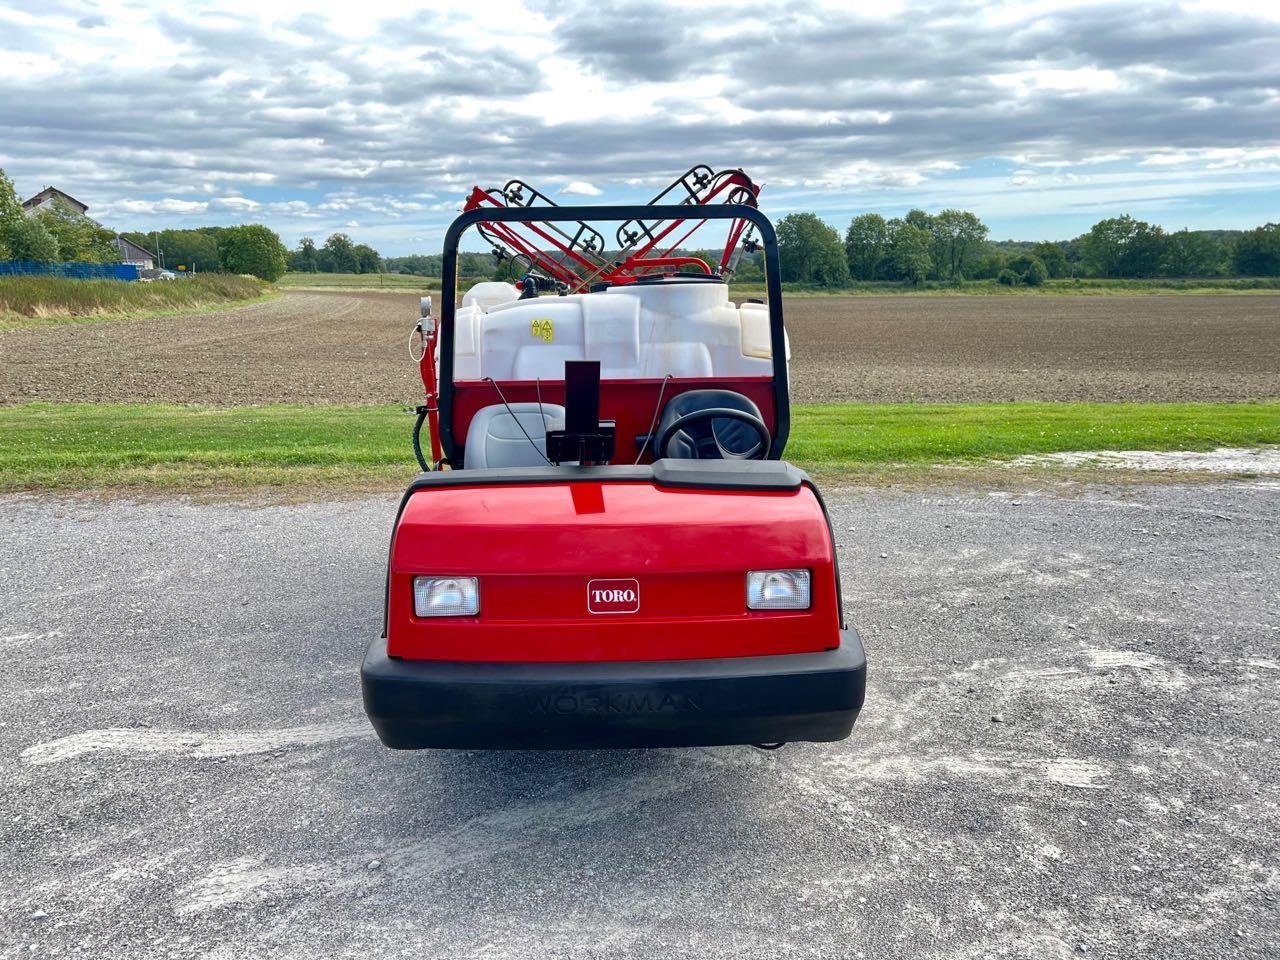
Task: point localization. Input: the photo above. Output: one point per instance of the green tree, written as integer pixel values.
(475, 265)
(750, 267)
(1053, 258)
(29, 239)
(338, 255)
(367, 259)
(1103, 246)
(419, 265)
(195, 249)
(918, 218)
(958, 238)
(253, 249)
(1147, 251)
(305, 259)
(1194, 254)
(988, 263)
(810, 251)
(910, 252)
(10, 212)
(509, 269)
(80, 238)
(866, 246)
(1257, 252)
(1125, 247)
(1037, 274)
(1029, 269)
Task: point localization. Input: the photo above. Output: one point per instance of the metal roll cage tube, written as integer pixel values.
(773, 288)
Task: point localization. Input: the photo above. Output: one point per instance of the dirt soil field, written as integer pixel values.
(351, 347)
(1035, 348)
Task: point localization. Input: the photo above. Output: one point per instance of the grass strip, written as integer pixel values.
(835, 438)
(407, 283)
(25, 300)
(45, 446)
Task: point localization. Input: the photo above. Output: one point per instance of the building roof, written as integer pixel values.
(49, 192)
(130, 250)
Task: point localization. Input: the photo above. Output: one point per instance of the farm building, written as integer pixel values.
(50, 194)
(133, 254)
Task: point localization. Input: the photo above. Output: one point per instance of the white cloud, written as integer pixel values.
(153, 207)
(290, 206)
(324, 112)
(234, 203)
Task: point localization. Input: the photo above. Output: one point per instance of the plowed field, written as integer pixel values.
(339, 347)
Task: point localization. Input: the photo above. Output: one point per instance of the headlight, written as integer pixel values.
(446, 596)
(778, 590)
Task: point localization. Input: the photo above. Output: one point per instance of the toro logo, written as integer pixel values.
(613, 596)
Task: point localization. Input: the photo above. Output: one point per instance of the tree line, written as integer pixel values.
(953, 245)
(249, 248)
(58, 233)
(339, 254)
(206, 249)
(470, 264)
(947, 247)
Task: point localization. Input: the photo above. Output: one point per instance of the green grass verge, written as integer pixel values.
(838, 438)
(313, 448)
(364, 281)
(25, 301)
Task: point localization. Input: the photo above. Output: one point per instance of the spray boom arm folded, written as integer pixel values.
(575, 254)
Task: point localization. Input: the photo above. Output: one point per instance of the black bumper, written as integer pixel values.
(672, 703)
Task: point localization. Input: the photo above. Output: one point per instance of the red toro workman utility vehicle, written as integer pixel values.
(605, 548)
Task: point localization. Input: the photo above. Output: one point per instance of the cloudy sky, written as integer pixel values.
(1041, 117)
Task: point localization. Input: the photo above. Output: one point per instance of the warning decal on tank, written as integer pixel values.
(543, 329)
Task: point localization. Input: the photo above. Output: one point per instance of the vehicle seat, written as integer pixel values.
(495, 438)
(733, 435)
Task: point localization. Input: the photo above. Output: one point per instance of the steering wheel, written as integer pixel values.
(699, 428)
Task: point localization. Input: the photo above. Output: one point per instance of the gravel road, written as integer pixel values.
(1069, 749)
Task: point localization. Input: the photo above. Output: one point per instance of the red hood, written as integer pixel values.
(536, 548)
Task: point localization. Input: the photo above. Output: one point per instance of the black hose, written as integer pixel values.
(417, 440)
(657, 409)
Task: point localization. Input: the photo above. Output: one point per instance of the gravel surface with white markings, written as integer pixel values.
(1069, 749)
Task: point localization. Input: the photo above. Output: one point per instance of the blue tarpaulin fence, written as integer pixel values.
(78, 271)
